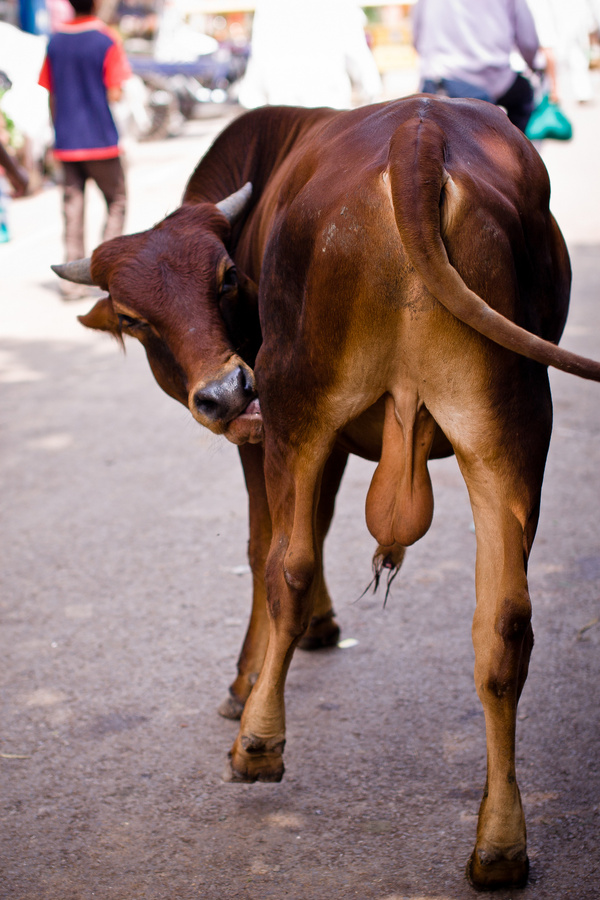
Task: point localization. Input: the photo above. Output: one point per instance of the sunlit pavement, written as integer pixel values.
(125, 592)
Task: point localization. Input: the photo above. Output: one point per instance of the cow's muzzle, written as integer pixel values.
(218, 402)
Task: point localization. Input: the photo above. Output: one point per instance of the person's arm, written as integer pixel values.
(15, 173)
(544, 17)
(551, 74)
(416, 19)
(360, 63)
(116, 71)
(114, 94)
(45, 80)
(526, 37)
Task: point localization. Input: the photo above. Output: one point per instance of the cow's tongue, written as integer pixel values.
(253, 408)
(247, 427)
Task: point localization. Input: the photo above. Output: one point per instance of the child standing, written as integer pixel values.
(84, 70)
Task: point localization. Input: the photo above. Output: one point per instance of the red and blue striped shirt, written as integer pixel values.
(84, 59)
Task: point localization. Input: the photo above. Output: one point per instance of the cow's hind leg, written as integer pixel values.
(293, 484)
(323, 630)
(505, 508)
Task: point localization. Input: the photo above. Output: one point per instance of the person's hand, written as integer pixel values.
(551, 79)
(19, 180)
(15, 173)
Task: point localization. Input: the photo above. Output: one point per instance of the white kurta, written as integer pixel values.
(308, 53)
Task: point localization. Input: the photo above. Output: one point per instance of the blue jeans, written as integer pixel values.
(517, 101)
(454, 87)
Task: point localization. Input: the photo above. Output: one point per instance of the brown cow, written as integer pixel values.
(413, 284)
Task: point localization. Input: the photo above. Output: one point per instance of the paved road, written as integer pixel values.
(123, 605)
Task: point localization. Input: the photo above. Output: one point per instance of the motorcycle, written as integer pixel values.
(175, 91)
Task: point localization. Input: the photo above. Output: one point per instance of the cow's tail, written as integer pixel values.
(417, 179)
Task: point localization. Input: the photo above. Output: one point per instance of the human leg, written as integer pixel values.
(74, 178)
(518, 102)
(109, 175)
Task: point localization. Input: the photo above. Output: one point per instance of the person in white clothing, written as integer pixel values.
(309, 53)
(564, 31)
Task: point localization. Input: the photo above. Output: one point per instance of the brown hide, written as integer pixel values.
(412, 286)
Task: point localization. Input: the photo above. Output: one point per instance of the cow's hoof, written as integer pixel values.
(487, 871)
(231, 707)
(255, 760)
(323, 631)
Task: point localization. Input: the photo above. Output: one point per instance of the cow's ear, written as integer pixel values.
(249, 319)
(248, 289)
(102, 317)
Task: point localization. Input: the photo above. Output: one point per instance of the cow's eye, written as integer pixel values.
(230, 281)
(128, 321)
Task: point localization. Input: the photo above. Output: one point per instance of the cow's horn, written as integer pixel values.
(233, 206)
(79, 271)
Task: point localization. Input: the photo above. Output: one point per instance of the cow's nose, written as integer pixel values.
(225, 398)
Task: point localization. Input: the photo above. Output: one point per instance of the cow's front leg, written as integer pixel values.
(254, 647)
(257, 754)
(503, 639)
(323, 629)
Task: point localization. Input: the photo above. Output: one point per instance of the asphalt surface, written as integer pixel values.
(125, 594)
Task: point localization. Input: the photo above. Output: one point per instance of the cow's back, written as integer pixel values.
(498, 193)
(334, 261)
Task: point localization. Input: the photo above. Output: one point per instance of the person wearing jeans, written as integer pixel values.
(465, 47)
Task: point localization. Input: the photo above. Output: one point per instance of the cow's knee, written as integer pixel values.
(299, 572)
(294, 570)
(507, 666)
(514, 618)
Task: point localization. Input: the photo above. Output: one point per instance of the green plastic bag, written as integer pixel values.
(548, 121)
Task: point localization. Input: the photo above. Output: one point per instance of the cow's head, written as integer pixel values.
(176, 289)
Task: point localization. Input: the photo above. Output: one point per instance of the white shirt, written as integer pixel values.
(308, 53)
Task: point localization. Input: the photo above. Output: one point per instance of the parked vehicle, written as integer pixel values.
(178, 90)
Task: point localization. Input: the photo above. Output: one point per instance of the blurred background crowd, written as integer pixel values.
(198, 58)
